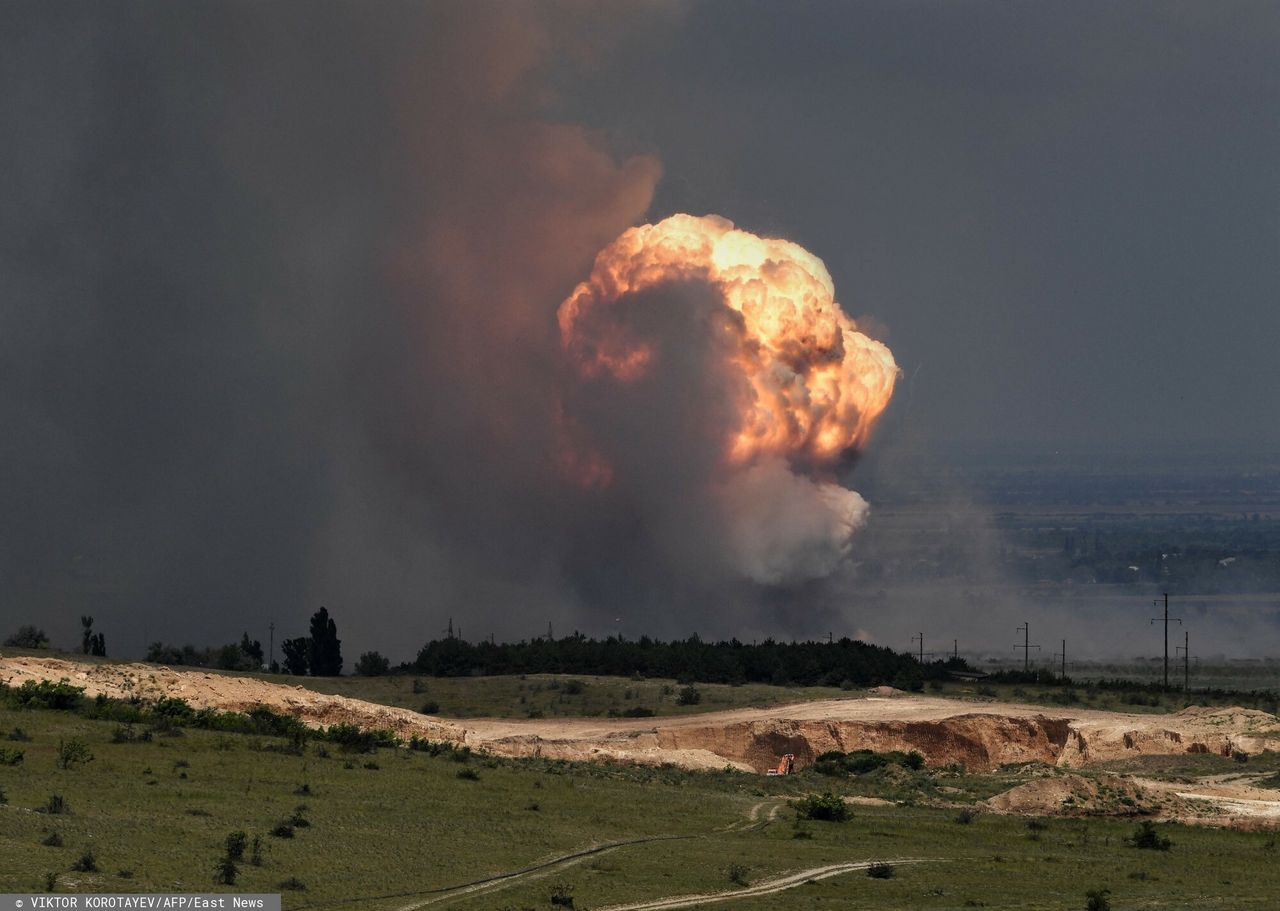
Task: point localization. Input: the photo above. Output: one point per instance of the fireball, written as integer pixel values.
(816, 383)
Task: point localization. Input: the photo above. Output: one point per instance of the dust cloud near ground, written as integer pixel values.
(980, 736)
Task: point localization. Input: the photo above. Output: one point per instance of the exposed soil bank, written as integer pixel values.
(976, 735)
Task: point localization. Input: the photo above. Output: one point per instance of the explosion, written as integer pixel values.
(797, 387)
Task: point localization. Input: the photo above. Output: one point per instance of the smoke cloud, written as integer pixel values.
(278, 299)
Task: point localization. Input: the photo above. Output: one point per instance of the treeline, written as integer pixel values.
(843, 662)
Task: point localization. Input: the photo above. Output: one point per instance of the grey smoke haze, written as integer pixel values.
(278, 285)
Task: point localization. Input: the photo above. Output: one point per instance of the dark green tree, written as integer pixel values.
(86, 633)
(28, 637)
(98, 645)
(297, 655)
(372, 664)
(252, 649)
(326, 647)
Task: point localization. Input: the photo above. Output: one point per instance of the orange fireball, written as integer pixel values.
(816, 384)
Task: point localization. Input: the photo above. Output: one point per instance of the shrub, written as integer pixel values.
(638, 712)
(353, 739)
(56, 805)
(52, 840)
(468, 774)
(574, 687)
(689, 695)
(73, 752)
(1146, 835)
(880, 870)
(292, 884)
(1239, 756)
(50, 882)
(372, 664)
(18, 735)
(430, 707)
(827, 807)
(303, 790)
(11, 757)
(1096, 900)
(282, 830)
(737, 874)
(255, 851)
(561, 895)
(28, 636)
(49, 695)
(235, 845)
(297, 820)
(224, 871)
(125, 733)
(966, 816)
(86, 863)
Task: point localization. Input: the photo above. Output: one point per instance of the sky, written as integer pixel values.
(279, 282)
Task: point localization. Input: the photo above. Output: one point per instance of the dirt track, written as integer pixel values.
(975, 734)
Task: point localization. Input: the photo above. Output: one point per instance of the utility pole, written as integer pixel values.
(271, 647)
(1167, 618)
(955, 653)
(449, 632)
(1185, 648)
(1026, 647)
(549, 636)
(920, 637)
(828, 638)
(1063, 655)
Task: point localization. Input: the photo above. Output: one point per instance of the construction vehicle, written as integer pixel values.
(786, 766)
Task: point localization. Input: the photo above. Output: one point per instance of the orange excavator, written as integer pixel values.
(786, 766)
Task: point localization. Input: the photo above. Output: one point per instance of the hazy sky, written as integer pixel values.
(278, 281)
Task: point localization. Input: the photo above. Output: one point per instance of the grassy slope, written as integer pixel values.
(413, 825)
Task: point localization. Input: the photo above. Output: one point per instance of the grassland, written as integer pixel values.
(400, 824)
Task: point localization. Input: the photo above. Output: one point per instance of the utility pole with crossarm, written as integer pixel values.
(1167, 618)
(1026, 647)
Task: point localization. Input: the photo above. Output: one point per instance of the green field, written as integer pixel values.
(392, 828)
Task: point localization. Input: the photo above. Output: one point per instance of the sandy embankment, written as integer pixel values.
(976, 735)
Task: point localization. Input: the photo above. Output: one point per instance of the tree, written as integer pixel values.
(326, 647)
(297, 654)
(98, 645)
(86, 633)
(28, 637)
(372, 664)
(252, 649)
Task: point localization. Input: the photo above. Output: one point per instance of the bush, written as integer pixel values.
(255, 851)
(372, 664)
(72, 753)
(689, 695)
(353, 739)
(466, 773)
(880, 870)
(737, 874)
(1146, 835)
(52, 840)
(1096, 900)
(56, 805)
(18, 735)
(235, 845)
(86, 863)
(574, 688)
(124, 733)
(561, 895)
(638, 712)
(224, 871)
(430, 707)
(292, 884)
(282, 830)
(966, 816)
(46, 694)
(28, 637)
(827, 807)
(11, 757)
